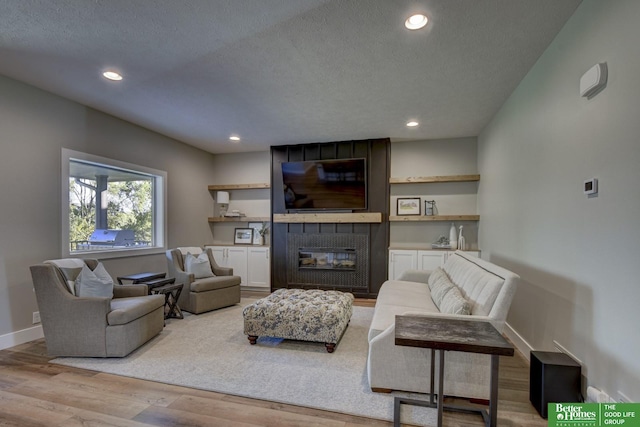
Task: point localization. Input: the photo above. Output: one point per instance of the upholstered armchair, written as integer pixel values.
(200, 294)
(93, 326)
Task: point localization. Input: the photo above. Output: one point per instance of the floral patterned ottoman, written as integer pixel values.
(297, 314)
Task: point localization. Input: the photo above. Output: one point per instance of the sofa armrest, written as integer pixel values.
(183, 277)
(222, 271)
(127, 291)
(421, 276)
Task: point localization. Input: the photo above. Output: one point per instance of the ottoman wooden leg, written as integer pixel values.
(330, 347)
(252, 339)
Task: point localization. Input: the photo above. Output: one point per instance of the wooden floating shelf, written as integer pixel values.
(427, 179)
(417, 218)
(223, 187)
(365, 217)
(239, 219)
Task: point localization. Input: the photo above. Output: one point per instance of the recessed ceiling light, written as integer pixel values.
(112, 75)
(412, 124)
(415, 22)
(234, 138)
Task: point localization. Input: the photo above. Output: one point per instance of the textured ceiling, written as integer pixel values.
(282, 71)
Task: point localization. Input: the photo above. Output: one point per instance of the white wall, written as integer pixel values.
(241, 168)
(34, 126)
(429, 158)
(579, 257)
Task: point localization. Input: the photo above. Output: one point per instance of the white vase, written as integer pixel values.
(453, 237)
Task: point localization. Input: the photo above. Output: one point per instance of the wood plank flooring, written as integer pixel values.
(34, 393)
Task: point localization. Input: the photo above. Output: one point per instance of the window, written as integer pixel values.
(111, 207)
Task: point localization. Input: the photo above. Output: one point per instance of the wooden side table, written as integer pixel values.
(152, 284)
(171, 294)
(141, 277)
(440, 334)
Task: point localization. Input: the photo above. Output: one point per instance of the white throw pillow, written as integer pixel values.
(199, 266)
(96, 283)
(454, 303)
(440, 285)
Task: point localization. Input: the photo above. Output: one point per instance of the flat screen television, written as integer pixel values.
(325, 185)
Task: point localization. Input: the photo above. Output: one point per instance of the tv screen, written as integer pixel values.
(325, 184)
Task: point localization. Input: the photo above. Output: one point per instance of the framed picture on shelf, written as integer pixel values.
(257, 227)
(243, 236)
(409, 206)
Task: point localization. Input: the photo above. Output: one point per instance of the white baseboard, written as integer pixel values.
(20, 337)
(521, 344)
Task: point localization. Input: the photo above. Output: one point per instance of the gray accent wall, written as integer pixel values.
(579, 257)
(34, 126)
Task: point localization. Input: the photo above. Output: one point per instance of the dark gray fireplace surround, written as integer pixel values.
(351, 257)
(329, 271)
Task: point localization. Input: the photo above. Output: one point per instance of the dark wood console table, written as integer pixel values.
(452, 335)
(141, 277)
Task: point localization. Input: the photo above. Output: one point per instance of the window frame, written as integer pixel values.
(159, 207)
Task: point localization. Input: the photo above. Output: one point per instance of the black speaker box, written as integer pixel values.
(553, 378)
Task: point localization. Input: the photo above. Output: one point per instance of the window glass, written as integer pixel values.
(111, 206)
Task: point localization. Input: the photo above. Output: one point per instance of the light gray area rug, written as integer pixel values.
(210, 352)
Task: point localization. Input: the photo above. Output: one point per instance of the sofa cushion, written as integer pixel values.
(198, 265)
(212, 283)
(454, 303)
(96, 283)
(440, 285)
(125, 310)
(411, 294)
(478, 286)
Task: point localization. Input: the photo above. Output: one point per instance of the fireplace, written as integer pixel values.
(327, 258)
(333, 260)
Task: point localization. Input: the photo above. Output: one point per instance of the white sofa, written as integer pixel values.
(487, 288)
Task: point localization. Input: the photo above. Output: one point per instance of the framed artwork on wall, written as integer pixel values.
(408, 206)
(243, 236)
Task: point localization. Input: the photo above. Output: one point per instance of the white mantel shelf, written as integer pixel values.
(365, 217)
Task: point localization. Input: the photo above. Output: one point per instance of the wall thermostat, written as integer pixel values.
(591, 186)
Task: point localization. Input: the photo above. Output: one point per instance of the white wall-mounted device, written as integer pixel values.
(591, 186)
(594, 80)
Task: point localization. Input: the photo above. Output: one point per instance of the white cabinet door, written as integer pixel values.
(401, 260)
(232, 257)
(237, 259)
(430, 260)
(258, 267)
(219, 255)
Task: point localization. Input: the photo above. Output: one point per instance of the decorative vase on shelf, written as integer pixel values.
(462, 244)
(453, 237)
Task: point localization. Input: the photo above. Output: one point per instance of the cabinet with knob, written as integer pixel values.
(251, 263)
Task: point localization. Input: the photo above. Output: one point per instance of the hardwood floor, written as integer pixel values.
(34, 392)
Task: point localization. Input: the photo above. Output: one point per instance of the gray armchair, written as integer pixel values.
(93, 326)
(205, 294)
